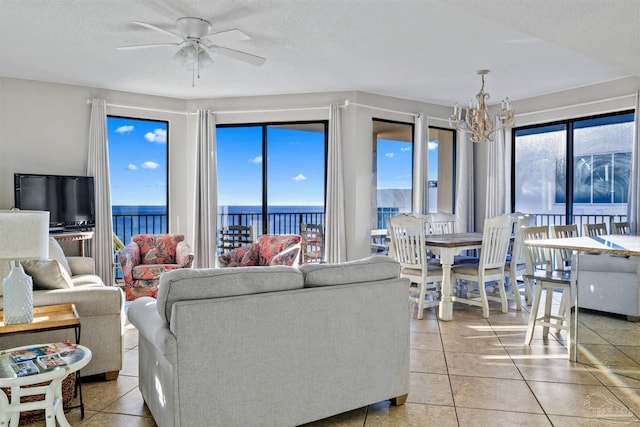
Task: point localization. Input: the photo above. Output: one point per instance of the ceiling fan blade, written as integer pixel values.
(228, 36)
(158, 29)
(236, 54)
(146, 46)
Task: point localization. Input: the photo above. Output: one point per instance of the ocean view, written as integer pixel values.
(129, 220)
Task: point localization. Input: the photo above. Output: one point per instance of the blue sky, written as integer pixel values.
(138, 164)
(137, 161)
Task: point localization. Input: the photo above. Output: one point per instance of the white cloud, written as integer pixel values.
(124, 129)
(433, 145)
(150, 165)
(405, 149)
(299, 178)
(158, 135)
(388, 155)
(132, 167)
(257, 160)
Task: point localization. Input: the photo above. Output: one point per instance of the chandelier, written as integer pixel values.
(477, 120)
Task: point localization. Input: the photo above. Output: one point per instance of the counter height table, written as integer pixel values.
(615, 244)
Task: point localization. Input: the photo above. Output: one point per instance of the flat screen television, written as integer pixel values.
(69, 199)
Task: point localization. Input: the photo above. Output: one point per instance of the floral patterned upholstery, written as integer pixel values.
(147, 257)
(268, 250)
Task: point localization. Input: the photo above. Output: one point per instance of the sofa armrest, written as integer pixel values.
(289, 256)
(143, 314)
(81, 265)
(89, 300)
(184, 254)
(129, 258)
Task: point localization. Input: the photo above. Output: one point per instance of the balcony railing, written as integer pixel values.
(579, 220)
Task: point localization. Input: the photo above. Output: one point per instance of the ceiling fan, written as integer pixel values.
(197, 43)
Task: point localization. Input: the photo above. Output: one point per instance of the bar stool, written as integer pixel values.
(540, 269)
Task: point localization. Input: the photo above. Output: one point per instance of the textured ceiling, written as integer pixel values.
(425, 50)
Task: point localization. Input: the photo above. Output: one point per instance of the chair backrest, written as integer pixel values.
(157, 248)
(563, 256)
(621, 227)
(235, 236)
(408, 242)
(517, 251)
(591, 230)
(536, 258)
(312, 242)
(495, 242)
(442, 223)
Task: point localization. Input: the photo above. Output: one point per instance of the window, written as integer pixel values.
(574, 171)
(274, 171)
(138, 169)
(392, 170)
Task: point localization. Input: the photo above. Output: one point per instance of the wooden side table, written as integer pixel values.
(47, 318)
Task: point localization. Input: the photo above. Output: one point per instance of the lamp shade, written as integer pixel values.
(24, 235)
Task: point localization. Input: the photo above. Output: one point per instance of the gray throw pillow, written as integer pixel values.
(56, 253)
(47, 274)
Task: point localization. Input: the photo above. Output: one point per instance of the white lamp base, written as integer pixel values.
(17, 290)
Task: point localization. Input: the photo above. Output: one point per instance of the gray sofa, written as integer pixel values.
(100, 307)
(610, 283)
(273, 346)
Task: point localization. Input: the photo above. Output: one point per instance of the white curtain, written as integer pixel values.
(464, 184)
(498, 174)
(633, 205)
(421, 166)
(335, 239)
(206, 217)
(98, 167)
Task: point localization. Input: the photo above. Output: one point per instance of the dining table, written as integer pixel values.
(447, 246)
(614, 244)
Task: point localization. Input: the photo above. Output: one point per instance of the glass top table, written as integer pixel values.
(52, 404)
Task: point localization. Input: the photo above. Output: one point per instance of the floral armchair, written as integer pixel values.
(268, 250)
(148, 256)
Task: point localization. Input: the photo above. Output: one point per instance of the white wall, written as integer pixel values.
(44, 129)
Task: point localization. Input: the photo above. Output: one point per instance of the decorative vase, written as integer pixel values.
(17, 290)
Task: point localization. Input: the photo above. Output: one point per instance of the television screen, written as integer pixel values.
(69, 199)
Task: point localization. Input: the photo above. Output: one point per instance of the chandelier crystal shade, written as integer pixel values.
(477, 120)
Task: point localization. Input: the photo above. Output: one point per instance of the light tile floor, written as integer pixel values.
(467, 372)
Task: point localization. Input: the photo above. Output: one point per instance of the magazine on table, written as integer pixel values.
(50, 361)
(63, 348)
(25, 368)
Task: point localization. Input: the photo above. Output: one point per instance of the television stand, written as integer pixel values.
(71, 236)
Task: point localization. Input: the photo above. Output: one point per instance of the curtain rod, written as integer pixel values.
(215, 112)
(581, 104)
(132, 107)
(347, 103)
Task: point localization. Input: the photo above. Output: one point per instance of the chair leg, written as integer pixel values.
(514, 290)
(483, 297)
(422, 290)
(528, 296)
(562, 311)
(503, 296)
(534, 315)
(547, 311)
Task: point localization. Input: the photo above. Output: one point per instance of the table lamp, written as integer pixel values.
(23, 235)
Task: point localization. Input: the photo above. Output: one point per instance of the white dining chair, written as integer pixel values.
(515, 265)
(591, 230)
(621, 227)
(495, 242)
(540, 270)
(408, 242)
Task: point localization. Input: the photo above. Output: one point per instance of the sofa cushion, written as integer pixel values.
(604, 262)
(196, 284)
(369, 269)
(56, 253)
(47, 274)
(152, 271)
(157, 248)
(244, 256)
